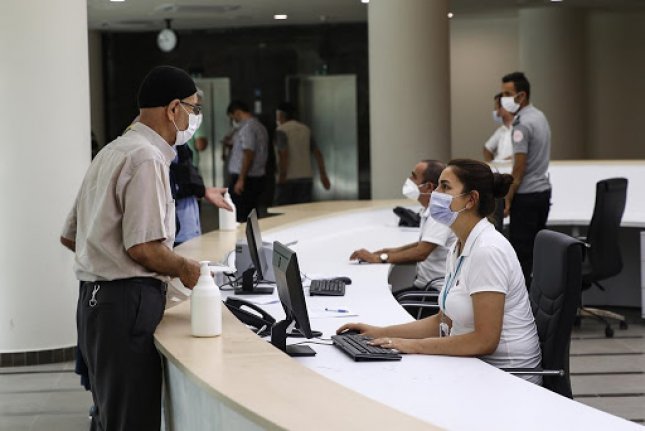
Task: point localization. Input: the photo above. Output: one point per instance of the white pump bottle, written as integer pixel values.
(228, 219)
(205, 305)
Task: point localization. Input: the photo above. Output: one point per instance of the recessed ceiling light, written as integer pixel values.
(365, 1)
(280, 16)
(556, 1)
(450, 14)
(114, 1)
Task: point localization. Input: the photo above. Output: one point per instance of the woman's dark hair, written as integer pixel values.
(476, 175)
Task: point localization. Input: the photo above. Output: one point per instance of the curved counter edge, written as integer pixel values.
(239, 381)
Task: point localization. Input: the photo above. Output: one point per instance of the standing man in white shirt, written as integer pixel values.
(499, 146)
(435, 239)
(122, 229)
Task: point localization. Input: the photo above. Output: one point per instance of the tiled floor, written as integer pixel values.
(608, 374)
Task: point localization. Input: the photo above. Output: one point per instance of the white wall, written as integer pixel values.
(482, 50)
(611, 90)
(616, 74)
(45, 123)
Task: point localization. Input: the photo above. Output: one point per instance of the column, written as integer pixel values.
(409, 61)
(45, 124)
(552, 54)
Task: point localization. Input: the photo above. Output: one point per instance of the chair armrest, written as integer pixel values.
(419, 304)
(416, 295)
(534, 372)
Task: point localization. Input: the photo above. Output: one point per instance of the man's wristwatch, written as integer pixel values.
(384, 257)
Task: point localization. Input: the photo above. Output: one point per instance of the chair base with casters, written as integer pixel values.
(603, 316)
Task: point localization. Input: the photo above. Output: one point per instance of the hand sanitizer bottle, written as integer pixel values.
(228, 219)
(205, 305)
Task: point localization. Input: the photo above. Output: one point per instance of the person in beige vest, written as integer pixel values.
(295, 145)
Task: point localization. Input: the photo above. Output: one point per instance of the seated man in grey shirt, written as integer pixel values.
(529, 197)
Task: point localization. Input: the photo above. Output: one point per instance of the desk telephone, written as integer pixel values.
(250, 314)
(407, 217)
(255, 317)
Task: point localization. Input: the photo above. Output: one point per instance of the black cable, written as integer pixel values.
(312, 342)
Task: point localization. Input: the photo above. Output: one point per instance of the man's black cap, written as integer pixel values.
(162, 85)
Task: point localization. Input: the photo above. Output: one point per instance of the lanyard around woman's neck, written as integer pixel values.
(450, 281)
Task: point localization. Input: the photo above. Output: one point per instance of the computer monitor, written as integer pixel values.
(260, 266)
(254, 239)
(292, 297)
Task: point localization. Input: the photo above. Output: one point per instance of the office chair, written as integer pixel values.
(421, 302)
(604, 259)
(555, 298)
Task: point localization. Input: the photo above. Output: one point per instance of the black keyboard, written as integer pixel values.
(355, 345)
(327, 287)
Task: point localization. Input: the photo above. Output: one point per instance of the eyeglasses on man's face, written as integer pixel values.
(197, 109)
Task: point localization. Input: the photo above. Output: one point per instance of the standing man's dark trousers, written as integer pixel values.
(116, 321)
(297, 191)
(529, 212)
(249, 198)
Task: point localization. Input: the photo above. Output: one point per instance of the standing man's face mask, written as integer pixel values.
(440, 208)
(509, 104)
(184, 136)
(411, 190)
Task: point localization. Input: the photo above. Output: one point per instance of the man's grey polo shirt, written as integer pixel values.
(532, 136)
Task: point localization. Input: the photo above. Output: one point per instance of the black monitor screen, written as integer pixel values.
(287, 279)
(254, 240)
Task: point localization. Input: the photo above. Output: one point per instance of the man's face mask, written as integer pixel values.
(496, 117)
(411, 190)
(184, 136)
(509, 104)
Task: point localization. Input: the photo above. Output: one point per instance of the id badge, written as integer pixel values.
(444, 330)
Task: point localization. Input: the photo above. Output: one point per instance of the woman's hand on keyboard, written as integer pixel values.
(362, 328)
(400, 345)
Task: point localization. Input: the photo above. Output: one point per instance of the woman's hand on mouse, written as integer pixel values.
(362, 328)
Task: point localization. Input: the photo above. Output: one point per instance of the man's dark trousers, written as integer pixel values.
(529, 213)
(116, 321)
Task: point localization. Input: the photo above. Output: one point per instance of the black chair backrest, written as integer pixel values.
(604, 253)
(555, 297)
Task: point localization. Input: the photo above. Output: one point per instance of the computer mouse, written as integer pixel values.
(344, 279)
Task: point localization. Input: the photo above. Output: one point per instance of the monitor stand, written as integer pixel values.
(248, 285)
(297, 333)
(279, 340)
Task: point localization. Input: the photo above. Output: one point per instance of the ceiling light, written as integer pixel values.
(114, 1)
(365, 1)
(556, 1)
(450, 14)
(280, 16)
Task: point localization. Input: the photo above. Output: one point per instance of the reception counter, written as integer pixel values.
(238, 381)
